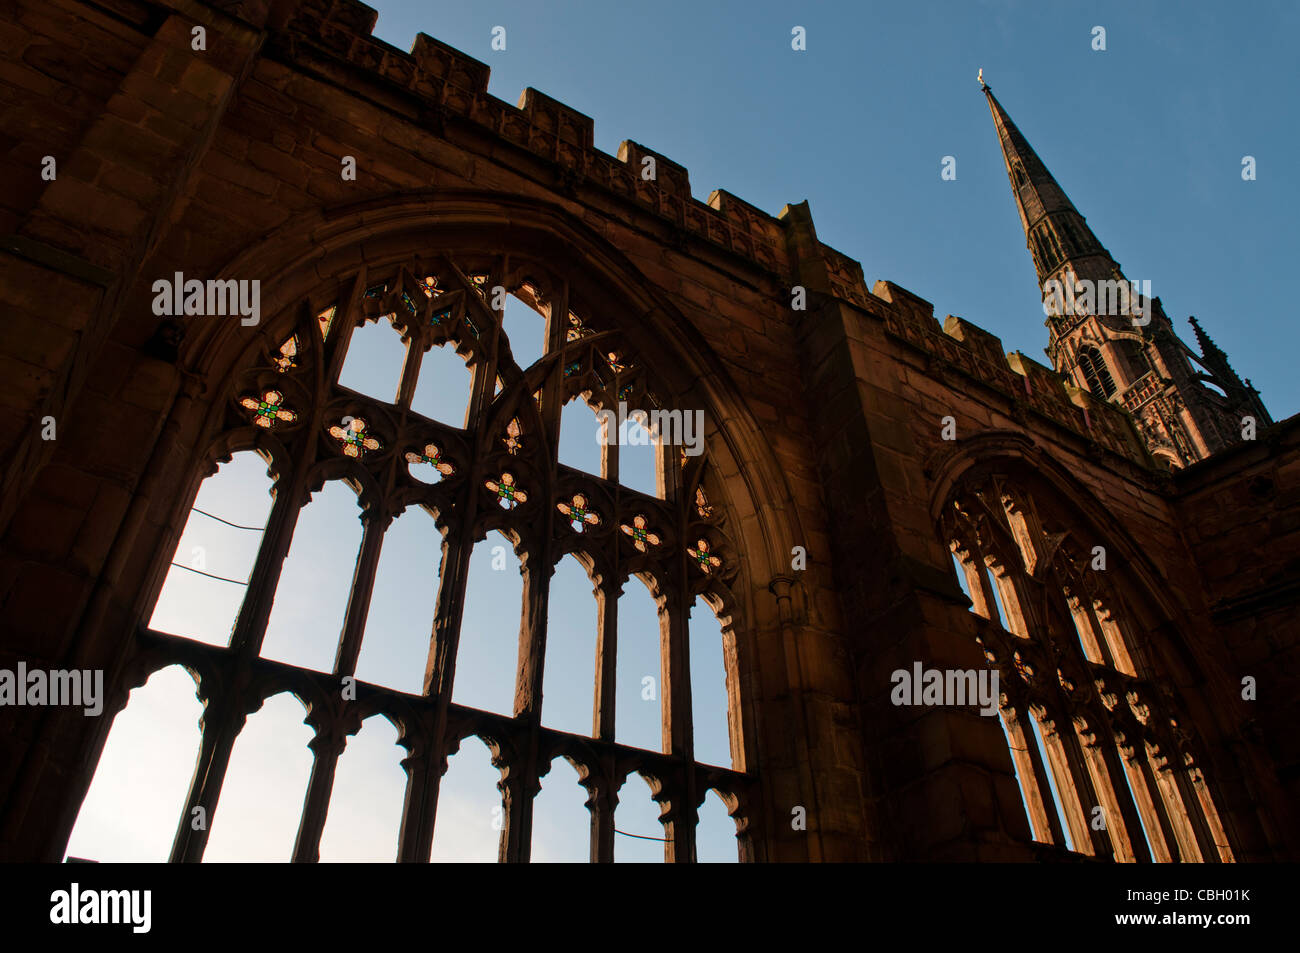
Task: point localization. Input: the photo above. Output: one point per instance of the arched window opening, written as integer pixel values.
(365, 809)
(377, 574)
(443, 388)
(488, 653)
(1071, 765)
(570, 671)
(709, 696)
(1023, 765)
(525, 330)
(1058, 776)
(375, 359)
(258, 814)
(1083, 628)
(638, 719)
(315, 582)
(471, 814)
(214, 558)
(1096, 373)
(561, 821)
(638, 455)
(139, 789)
(715, 834)
(399, 623)
(638, 832)
(582, 438)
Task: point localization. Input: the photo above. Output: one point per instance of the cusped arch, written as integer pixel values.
(317, 247)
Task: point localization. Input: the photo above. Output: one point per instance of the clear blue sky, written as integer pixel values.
(1146, 138)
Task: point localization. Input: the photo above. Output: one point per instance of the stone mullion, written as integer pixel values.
(604, 708)
(485, 368)
(1142, 767)
(985, 583)
(1179, 817)
(363, 584)
(1184, 792)
(1128, 841)
(1192, 807)
(517, 794)
(1205, 799)
(425, 771)
(1028, 761)
(678, 742)
(1078, 787)
(517, 837)
(524, 783)
(601, 801)
(326, 747)
(1042, 778)
(415, 838)
(1099, 634)
(218, 740)
(1132, 815)
(677, 816)
(411, 365)
(259, 596)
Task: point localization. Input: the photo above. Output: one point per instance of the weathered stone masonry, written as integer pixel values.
(824, 431)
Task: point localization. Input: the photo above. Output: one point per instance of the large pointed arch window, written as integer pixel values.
(308, 401)
(1103, 758)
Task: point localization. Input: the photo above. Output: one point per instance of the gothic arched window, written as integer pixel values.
(1089, 733)
(329, 402)
(1095, 372)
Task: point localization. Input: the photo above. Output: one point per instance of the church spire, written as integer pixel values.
(1109, 335)
(1058, 237)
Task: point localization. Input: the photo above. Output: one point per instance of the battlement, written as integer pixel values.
(964, 348)
(453, 84)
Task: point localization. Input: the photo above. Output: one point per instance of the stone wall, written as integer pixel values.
(221, 162)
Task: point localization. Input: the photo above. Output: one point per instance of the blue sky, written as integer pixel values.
(1146, 137)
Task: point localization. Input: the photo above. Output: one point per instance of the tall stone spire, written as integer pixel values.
(1108, 335)
(1058, 237)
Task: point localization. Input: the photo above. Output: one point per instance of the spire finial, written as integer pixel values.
(980, 77)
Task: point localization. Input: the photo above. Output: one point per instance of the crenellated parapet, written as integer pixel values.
(450, 84)
(965, 349)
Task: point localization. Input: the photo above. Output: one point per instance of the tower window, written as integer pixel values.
(1096, 373)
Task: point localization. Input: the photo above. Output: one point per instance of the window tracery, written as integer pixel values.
(1090, 731)
(498, 472)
